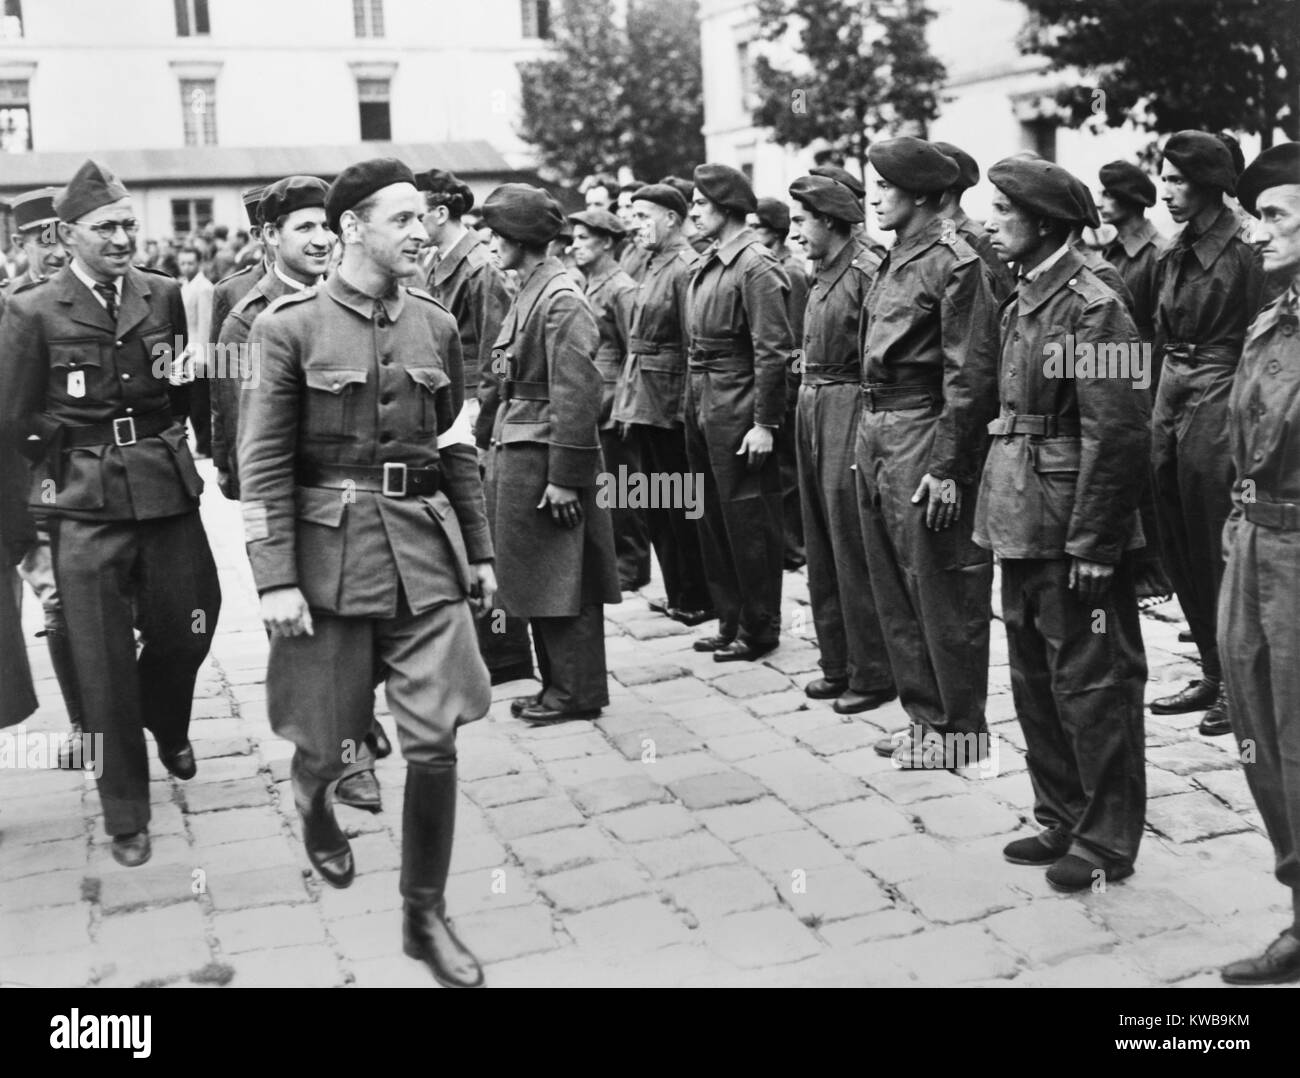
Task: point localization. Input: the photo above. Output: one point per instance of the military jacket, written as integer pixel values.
(469, 285)
(611, 293)
(830, 336)
(1135, 258)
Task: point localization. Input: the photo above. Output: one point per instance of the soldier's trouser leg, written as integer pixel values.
(37, 569)
(201, 414)
(1078, 672)
(571, 660)
(631, 535)
(791, 511)
(933, 590)
(849, 636)
(1259, 638)
(1193, 473)
(673, 529)
(114, 576)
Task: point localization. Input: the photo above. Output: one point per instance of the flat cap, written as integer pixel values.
(913, 164)
(92, 186)
(33, 208)
(1043, 188)
(358, 182)
(1203, 159)
(774, 214)
(292, 193)
(666, 195)
(823, 195)
(726, 187)
(1122, 179)
(600, 220)
(448, 188)
(1273, 168)
(841, 175)
(252, 204)
(968, 169)
(523, 213)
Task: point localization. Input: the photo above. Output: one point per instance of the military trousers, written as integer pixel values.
(674, 529)
(1259, 639)
(933, 589)
(116, 577)
(849, 635)
(787, 456)
(742, 530)
(1193, 479)
(1078, 672)
(631, 533)
(571, 660)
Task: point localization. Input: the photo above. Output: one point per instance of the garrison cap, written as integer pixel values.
(1273, 168)
(666, 195)
(92, 186)
(1043, 188)
(523, 213)
(33, 208)
(774, 214)
(1122, 179)
(841, 175)
(913, 164)
(437, 181)
(726, 187)
(253, 203)
(1203, 159)
(968, 170)
(289, 194)
(600, 220)
(358, 182)
(823, 195)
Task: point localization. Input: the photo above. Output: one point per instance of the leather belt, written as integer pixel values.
(830, 374)
(125, 430)
(1197, 355)
(883, 398)
(392, 480)
(527, 391)
(639, 346)
(1284, 516)
(1044, 426)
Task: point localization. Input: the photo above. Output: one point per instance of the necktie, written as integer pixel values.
(109, 293)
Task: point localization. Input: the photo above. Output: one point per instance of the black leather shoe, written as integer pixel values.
(633, 585)
(660, 606)
(1198, 696)
(518, 704)
(1044, 849)
(72, 752)
(360, 791)
(539, 713)
(712, 643)
(851, 702)
(1186, 637)
(131, 851)
(692, 617)
(740, 651)
(378, 741)
(1216, 722)
(826, 688)
(1075, 873)
(179, 762)
(1279, 964)
(792, 563)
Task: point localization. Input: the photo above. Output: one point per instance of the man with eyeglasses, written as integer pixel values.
(86, 393)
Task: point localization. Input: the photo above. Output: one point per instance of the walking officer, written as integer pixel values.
(86, 362)
(363, 513)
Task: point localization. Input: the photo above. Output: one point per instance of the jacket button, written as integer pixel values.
(337, 384)
(1258, 455)
(118, 344)
(129, 411)
(126, 377)
(1274, 366)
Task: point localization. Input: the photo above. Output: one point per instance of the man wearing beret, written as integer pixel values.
(686, 188)
(1126, 193)
(555, 540)
(1210, 286)
(88, 356)
(741, 349)
(855, 666)
(363, 514)
(929, 354)
(231, 288)
(1058, 505)
(649, 395)
(859, 191)
(968, 175)
(1259, 605)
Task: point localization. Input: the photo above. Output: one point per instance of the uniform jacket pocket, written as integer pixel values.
(319, 539)
(439, 507)
(329, 404)
(429, 381)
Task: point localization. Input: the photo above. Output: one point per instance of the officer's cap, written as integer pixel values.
(253, 203)
(448, 187)
(1203, 159)
(841, 175)
(665, 194)
(600, 221)
(968, 169)
(292, 193)
(774, 214)
(358, 182)
(1043, 188)
(726, 187)
(1124, 180)
(823, 195)
(34, 208)
(523, 213)
(913, 164)
(1273, 168)
(92, 186)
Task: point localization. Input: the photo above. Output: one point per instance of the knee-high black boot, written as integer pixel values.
(428, 829)
(70, 752)
(326, 844)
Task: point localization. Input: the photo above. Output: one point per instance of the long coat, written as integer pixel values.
(545, 432)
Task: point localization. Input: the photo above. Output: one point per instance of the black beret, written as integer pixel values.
(666, 195)
(33, 208)
(1234, 151)
(1121, 179)
(1273, 168)
(566, 230)
(683, 187)
(358, 182)
(94, 185)
(523, 213)
(968, 169)
(774, 214)
(436, 181)
(1043, 188)
(841, 175)
(600, 220)
(913, 164)
(1203, 159)
(1083, 195)
(726, 187)
(823, 195)
(289, 194)
(253, 204)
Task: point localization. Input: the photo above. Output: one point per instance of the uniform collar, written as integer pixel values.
(728, 252)
(1046, 264)
(676, 242)
(1134, 241)
(295, 286)
(90, 282)
(1213, 232)
(1285, 304)
(456, 254)
(830, 272)
(1048, 278)
(601, 276)
(904, 251)
(353, 298)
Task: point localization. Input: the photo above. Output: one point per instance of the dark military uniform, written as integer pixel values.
(634, 259)
(1135, 257)
(230, 290)
(1001, 279)
(741, 347)
(121, 494)
(792, 513)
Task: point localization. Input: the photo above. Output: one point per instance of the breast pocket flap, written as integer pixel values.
(334, 379)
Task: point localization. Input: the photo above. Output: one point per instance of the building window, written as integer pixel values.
(199, 111)
(191, 17)
(376, 124)
(536, 18)
(368, 18)
(745, 63)
(12, 26)
(15, 117)
(190, 215)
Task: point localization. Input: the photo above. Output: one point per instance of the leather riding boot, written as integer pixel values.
(326, 844)
(428, 829)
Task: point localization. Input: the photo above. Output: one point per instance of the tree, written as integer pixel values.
(1167, 65)
(665, 95)
(862, 66)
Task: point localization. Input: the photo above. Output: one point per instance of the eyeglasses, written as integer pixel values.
(106, 230)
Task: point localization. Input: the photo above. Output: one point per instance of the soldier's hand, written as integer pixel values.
(942, 499)
(484, 592)
(566, 509)
(1090, 580)
(285, 613)
(757, 445)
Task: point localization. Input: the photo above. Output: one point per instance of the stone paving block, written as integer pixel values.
(663, 739)
(151, 884)
(647, 822)
(634, 720)
(1193, 816)
(631, 927)
(122, 933)
(676, 856)
(218, 747)
(230, 768)
(803, 782)
(48, 889)
(718, 892)
(311, 966)
(777, 703)
(535, 817)
(744, 746)
(1049, 932)
(375, 893)
(965, 816)
(505, 934)
(784, 852)
(57, 928)
(715, 717)
(555, 851)
(587, 743)
(744, 684)
(37, 830)
(45, 857)
(1015, 791)
(647, 674)
(610, 795)
(712, 791)
(1228, 786)
(368, 935)
(760, 938)
(16, 816)
(762, 817)
(939, 896)
(257, 887)
(581, 770)
(860, 763)
(1172, 956)
(267, 928)
(213, 796)
(60, 969)
(508, 789)
(793, 723)
(145, 966)
(793, 661)
(375, 852)
(234, 825)
(838, 737)
(592, 886)
(833, 894)
(1158, 910)
(1087, 971)
(945, 956)
(667, 693)
(855, 823)
(235, 857)
(666, 770)
(487, 889)
(1190, 757)
(473, 851)
(884, 924)
(908, 787)
(472, 766)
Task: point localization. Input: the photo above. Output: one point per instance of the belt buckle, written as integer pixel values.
(129, 420)
(389, 490)
(869, 398)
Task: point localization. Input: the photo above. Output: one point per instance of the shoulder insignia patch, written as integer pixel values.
(289, 299)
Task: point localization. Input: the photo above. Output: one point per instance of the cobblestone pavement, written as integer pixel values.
(714, 827)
